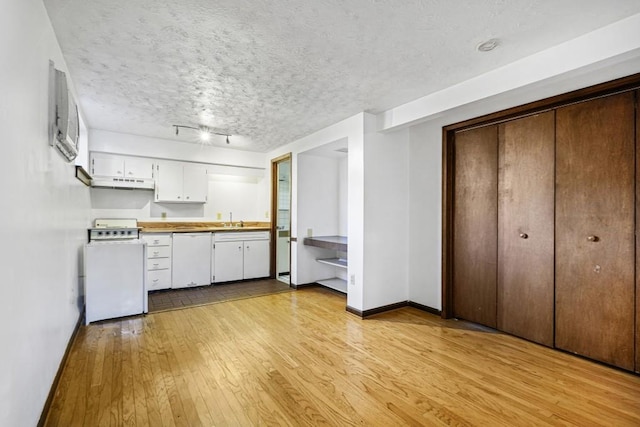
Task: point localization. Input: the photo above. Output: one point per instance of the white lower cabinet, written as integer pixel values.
(158, 260)
(256, 259)
(240, 255)
(228, 259)
(191, 259)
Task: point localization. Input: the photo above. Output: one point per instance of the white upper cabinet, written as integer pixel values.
(196, 183)
(181, 183)
(113, 165)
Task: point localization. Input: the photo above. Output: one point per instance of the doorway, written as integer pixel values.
(281, 217)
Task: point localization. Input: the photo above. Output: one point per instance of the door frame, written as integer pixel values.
(273, 269)
(448, 161)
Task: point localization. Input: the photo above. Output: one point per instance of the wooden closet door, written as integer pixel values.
(475, 225)
(595, 204)
(526, 227)
(637, 237)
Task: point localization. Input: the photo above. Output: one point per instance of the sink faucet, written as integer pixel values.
(231, 218)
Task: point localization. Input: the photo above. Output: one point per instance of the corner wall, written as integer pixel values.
(386, 216)
(43, 221)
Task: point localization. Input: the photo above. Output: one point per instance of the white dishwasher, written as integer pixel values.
(191, 260)
(114, 279)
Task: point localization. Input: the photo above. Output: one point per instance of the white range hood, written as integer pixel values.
(123, 183)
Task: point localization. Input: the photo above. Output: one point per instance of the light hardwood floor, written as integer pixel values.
(298, 358)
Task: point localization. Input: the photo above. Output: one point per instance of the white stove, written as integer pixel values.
(114, 229)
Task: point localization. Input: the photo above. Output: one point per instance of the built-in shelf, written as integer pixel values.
(332, 243)
(336, 243)
(336, 262)
(336, 284)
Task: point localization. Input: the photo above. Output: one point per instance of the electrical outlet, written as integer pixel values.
(309, 232)
(218, 216)
(266, 214)
(352, 279)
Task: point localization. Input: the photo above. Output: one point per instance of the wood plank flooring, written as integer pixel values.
(298, 358)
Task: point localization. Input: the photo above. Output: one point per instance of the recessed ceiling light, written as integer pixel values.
(488, 45)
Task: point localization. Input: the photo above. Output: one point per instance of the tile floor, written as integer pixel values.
(171, 299)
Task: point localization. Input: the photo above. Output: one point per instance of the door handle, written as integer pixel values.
(524, 236)
(593, 238)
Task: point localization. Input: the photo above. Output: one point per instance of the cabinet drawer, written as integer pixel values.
(158, 279)
(157, 239)
(158, 264)
(158, 252)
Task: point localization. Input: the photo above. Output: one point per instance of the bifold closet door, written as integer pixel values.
(637, 237)
(595, 210)
(526, 227)
(475, 225)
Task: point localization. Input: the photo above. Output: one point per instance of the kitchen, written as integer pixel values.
(47, 211)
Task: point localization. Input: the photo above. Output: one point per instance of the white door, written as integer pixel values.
(228, 258)
(169, 182)
(256, 259)
(191, 259)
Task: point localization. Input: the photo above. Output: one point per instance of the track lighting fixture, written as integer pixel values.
(204, 132)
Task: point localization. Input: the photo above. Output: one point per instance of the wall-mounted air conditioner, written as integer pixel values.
(64, 126)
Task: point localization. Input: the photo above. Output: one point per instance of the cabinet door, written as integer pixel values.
(191, 260)
(138, 167)
(475, 227)
(595, 229)
(169, 182)
(526, 227)
(195, 184)
(256, 259)
(107, 165)
(228, 259)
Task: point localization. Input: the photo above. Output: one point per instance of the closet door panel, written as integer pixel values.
(595, 198)
(475, 225)
(526, 227)
(637, 93)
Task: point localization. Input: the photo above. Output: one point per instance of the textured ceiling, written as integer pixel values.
(269, 72)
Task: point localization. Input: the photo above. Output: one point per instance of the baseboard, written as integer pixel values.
(354, 311)
(394, 306)
(303, 285)
(56, 380)
(425, 308)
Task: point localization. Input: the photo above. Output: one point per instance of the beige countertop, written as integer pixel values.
(195, 227)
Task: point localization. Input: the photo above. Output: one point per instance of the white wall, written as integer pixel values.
(318, 211)
(425, 215)
(343, 196)
(386, 216)
(43, 221)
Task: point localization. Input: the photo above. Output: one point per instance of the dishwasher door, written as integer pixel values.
(191, 260)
